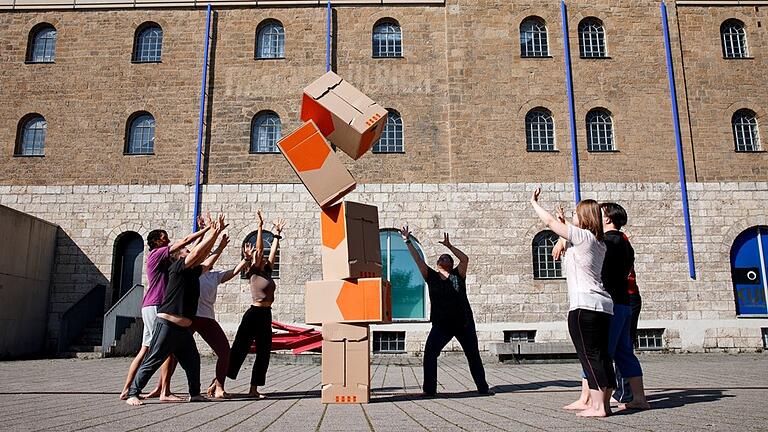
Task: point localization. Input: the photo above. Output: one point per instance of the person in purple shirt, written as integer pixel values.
(158, 262)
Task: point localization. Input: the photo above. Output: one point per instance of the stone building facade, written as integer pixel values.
(463, 90)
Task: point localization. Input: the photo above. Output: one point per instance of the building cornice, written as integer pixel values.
(145, 4)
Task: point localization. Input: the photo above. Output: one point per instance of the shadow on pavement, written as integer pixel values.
(675, 399)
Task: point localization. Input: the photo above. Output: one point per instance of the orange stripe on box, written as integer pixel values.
(308, 154)
(332, 224)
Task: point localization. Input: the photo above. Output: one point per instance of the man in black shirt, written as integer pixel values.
(174, 317)
(450, 314)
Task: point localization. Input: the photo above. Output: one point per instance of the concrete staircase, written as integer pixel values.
(88, 344)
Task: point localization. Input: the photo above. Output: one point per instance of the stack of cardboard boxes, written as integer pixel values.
(353, 293)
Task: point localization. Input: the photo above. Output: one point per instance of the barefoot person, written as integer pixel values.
(256, 324)
(174, 317)
(205, 321)
(450, 314)
(591, 306)
(158, 261)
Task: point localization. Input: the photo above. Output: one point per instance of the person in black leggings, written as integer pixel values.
(256, 324)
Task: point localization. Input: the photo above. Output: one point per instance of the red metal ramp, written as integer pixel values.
(297, 339)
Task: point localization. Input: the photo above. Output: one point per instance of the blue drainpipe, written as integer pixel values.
(678, 141)
(201, 121)
(571, 109)
(328, 13)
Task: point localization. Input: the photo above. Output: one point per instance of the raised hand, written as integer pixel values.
(535, 195)
(446, 241)
(558, 250)
(248, 251)
(200, 222)
(224, 242)
(405, 232)
(278, 225)
(261, 218)
(208, 220)
(220, 225)
(560, 213)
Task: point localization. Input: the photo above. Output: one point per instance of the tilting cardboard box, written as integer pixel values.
(348, 301)
(314, 161)
(346, 363)
(351, 247)
(348, 118)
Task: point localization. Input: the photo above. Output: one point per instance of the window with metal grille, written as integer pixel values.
(389, 341)
(600, 131)
(140, 138)
(533, 38)
(765, 337)
(650, 339)
(266, 239)
(734, 38)
(746, 135)
(31, 136)
(592, 38)
(391, 140)
(149, 44)
(270, 40)
(544, 266)
(266, 131)
(528, 336)
(387, 39)
(42, 44)
(539, 130)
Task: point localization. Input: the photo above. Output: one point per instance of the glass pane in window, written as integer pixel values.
(407, 284)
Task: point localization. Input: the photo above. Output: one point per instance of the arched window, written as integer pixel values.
(544, 266)
(600, 131)
(387, 39)
(533, 38)
(140, 135)
(592, 38)
(539, 130)
(266, 131)
(408, 286)
(270, 40)
(749, 271)
(42, 44)
(734, 38)
(746, 135)
(391, 140)
(31, 136)
(266, 239)
(148, 45)
(128, 262)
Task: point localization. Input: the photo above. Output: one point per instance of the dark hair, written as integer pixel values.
(446, 257)
(154, 236)
(615, 213)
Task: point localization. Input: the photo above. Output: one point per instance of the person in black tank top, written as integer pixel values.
(450, 314)
(256, 325)
(172, 335)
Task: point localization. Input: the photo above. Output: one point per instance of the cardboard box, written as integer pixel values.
(348, 118)
(350, 237)
(346, 366)
(348, 301)
(314, 161)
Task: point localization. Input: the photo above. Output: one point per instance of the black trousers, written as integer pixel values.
(255, 326)
(589, 332)
(437, 340)
(169, 338)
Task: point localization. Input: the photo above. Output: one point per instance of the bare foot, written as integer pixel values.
(199, 398)
(579, 405)
(635, 406)
(171, 398)
(134, 401)
(124, 394)
(591, 412)
(221, 394)
(153, 394)
(256, 394)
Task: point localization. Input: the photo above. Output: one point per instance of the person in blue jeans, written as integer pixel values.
(450, 314)
(617, 266)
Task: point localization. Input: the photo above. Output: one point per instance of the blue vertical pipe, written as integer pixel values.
(328, 13)
(678, 141)
(201, 121)
(571, 109)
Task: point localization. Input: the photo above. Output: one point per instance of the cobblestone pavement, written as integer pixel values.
(687, 393)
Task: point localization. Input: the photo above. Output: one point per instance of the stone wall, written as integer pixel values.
(492, 223)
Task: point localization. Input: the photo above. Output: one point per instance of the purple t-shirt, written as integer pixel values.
(158, 262)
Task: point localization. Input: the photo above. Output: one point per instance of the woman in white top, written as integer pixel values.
(205, 321)
(591, 307)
